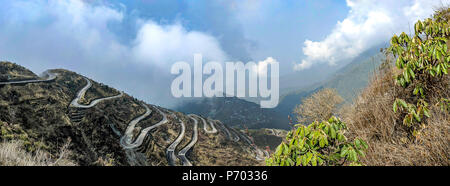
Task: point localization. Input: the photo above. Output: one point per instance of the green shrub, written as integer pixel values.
(423, 60)
(16, 133)
(318, 144)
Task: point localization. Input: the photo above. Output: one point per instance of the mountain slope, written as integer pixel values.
(233, 111)
(44, 114)
(348, 81)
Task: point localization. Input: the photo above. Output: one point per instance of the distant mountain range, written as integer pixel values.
(232, 111)
(348, 81)
(235, 112)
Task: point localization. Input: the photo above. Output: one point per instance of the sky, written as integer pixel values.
(131, 45)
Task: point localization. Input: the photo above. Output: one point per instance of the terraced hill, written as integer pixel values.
(103, 123)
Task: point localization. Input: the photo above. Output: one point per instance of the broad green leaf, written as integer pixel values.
(360, 152)
(333, 133)
(416, 116)
(304, 162)
(412, 73)
(416, 91)
(425, 112)
(321, 142)
(364, 144)
(309, 157)
(403, 103)
(299, 161)
(406, 76)
(290, 162)
(357, 143)
(394, 107)
(314, 160)
(279, 150)
(343, 152)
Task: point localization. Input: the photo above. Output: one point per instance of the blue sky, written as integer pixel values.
(246, 31)
(131, 44)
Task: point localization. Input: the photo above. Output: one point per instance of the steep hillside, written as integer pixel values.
(233, 111)
(11, 71)
(348, 81)
(401, 118)
(267, 138)
(417, 134)
(105, 125)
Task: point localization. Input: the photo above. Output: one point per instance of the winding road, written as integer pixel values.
(131, 126)
(260, 155)
(214, 130)
(114, 129)
(171, 149)
(127, 137)
(222, 126)
(246, 139)
(235, 135)
(138, 142)
(50, 76)
(182, 153)
(81, 93)
(275, 132)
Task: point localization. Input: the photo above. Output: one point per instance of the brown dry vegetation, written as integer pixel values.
(98, 90)
(390, 143)
(213, 149)
(13, 71)
(264, 137)
(12, 153)
(371, 118)
(319, 106)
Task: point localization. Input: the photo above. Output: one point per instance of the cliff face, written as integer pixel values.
(44, 113)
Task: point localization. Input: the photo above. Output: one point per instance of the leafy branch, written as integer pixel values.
(318, 144)
(422, 59)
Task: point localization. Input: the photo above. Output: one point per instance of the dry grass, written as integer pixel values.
(319, 106)
(13, 154)
(371, 118)
(106, 161)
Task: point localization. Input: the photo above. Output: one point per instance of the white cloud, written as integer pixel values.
(79, 31)
(79, 36)
(369, 23)
(158, 44)
(68, 34)
(261, 67)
